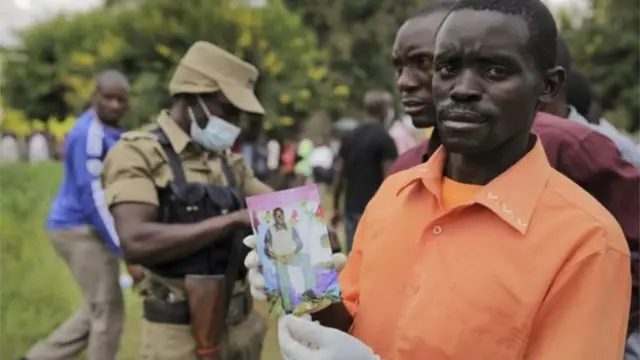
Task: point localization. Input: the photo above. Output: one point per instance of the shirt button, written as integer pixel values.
(437, 230)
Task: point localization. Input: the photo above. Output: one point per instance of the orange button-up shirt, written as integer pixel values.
(531, 268)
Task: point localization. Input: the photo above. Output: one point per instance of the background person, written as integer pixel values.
(210, 90)
(364, 157)
(82, 232)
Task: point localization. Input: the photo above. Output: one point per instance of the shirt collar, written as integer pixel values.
(512, 196)
(574, 115)
(177, 137)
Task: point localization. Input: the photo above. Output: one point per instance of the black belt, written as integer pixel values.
(177, 313)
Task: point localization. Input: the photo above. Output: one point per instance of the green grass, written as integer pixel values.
(37, 292)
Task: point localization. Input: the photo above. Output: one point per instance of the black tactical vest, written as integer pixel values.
(183, 202)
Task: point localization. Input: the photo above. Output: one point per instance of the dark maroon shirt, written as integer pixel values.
(588, 158)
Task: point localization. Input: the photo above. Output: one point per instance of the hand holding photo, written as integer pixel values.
(295, 251)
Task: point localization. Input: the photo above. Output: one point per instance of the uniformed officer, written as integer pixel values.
(210, 89)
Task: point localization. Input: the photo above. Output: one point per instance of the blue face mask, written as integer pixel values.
(217, 135)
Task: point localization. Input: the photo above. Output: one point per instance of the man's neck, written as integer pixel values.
(481, 169)
(112, 125)
(558, 108)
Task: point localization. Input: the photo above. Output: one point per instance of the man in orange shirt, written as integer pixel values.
(485, 251)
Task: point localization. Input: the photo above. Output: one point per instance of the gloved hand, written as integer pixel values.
(256, 278)
(302, 339)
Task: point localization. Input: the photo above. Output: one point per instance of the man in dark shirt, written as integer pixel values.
(363, 159)
(582, 154)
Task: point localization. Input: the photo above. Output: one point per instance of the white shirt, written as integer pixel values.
(282, 241)
(322, 157)
(273, 154)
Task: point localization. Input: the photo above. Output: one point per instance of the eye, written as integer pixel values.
(496, 72)
(445, 70)
(425, 63)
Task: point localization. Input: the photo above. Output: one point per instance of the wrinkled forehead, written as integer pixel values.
(472, 31)
(418, 32)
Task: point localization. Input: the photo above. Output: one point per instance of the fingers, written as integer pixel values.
(310, 333)
(252, 260)
(258, 294)
(250, 241)
(256, 279)
(339, 260)
(290, 346)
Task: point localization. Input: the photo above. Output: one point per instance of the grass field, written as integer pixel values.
(37, 291)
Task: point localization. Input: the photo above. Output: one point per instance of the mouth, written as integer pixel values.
(463, 120)
(415, 107)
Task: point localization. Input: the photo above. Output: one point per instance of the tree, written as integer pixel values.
(604, 44)
(358, 35)
(146, 39)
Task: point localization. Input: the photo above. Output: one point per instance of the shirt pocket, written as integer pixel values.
(488, 317)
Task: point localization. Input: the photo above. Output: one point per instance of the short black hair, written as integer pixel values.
(543, 33)
(563, 55)
(579, 91)
(432, 8)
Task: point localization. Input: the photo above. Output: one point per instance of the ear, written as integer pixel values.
(554, 80)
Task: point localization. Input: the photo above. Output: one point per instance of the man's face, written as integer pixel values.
(111, 103)
(413, 59)
(217, 105)
(485, 86)
(279, 217)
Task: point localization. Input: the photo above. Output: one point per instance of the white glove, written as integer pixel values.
(256, 278)
(302, 339)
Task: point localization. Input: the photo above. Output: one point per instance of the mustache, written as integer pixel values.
(452, 109)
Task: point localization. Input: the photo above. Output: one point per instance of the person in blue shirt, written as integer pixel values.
(82, 231)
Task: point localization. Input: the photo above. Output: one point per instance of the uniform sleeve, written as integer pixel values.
(126, 176)
(85, 152)
(585, 313)
(251, 185)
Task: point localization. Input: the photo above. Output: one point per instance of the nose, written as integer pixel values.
(116, 104)
(466, 88)
(407, 82)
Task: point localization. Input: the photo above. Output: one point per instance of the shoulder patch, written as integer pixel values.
(138, 135)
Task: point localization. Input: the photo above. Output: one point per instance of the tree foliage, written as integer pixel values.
(604, 44)
(359, 35)
(51, 73)
(313, 55)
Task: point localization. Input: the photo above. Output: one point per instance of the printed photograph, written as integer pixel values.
(294, 247)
